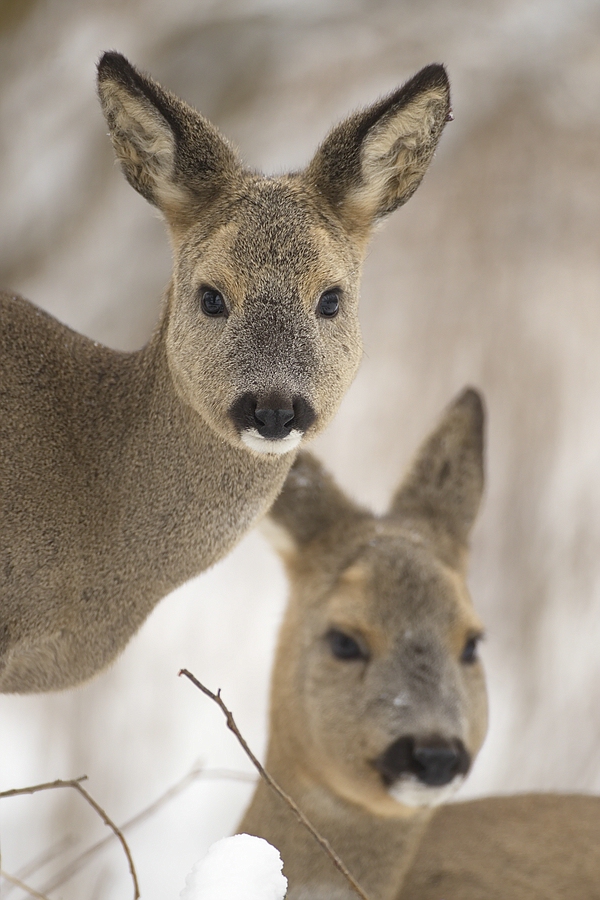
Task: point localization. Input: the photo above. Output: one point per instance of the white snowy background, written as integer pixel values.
(489, 276)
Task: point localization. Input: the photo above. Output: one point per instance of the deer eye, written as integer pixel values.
(469, 653)
(212, 303)
(343, 646)
(328, 305)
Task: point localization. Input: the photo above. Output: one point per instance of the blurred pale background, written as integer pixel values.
(489, 276)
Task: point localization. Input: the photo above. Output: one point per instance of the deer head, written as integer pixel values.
(261, 330)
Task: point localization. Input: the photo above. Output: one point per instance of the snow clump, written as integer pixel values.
(242, 867)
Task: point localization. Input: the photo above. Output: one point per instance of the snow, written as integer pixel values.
(242, 866)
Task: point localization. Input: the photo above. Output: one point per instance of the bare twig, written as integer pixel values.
(76, 784)
(323, 842)
(117, 832)
(46, 786)
(24, 887)
(80, 861)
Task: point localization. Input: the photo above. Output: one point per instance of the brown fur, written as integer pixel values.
(525, 847)
(396, 584)
(123, 475)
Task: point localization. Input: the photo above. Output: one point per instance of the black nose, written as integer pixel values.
(437, 762)
(433, 760)
(273, 416)
(273, 424)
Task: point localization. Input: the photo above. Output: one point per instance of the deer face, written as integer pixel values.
(392, 689)
(378, 693)
(262, 335)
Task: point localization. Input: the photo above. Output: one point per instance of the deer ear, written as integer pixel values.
(444, 484)
(169, 153)
(309, 505)
(375, 160)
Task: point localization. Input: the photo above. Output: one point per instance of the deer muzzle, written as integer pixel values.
(272, 424)
(434, 761)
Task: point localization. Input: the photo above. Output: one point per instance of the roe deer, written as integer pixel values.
(123, 475)
(378, 700)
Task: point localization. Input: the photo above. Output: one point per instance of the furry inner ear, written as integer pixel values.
(309, 505)
(169, 153)
(375, 160)
(444, 484)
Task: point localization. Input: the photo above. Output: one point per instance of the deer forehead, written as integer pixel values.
(399, 591)
(267, 236)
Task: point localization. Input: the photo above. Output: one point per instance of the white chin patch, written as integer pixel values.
(412, 792)
(259, 444)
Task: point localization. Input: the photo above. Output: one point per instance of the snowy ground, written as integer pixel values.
(489, 276)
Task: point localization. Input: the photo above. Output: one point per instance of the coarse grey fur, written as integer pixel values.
(396, 585)
(123, 475)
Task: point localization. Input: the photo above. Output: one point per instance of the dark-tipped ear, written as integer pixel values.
(309, 505)
(169, 153)
(444, 484)
(375, 160)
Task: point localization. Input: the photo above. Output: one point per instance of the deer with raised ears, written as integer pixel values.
(124, 475)
(378, 699)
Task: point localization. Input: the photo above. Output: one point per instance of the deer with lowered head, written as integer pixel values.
(378, 700)
(122, 475)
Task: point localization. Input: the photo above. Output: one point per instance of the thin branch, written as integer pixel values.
(46, 786)
(80, 861)
(24, 887)
(323, 842)
(117, 832)
(76, 784)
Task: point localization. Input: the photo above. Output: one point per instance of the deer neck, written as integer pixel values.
(377, 851)
(177, 486)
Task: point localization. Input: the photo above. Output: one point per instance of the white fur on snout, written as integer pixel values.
(412, 792)
(259, 444)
